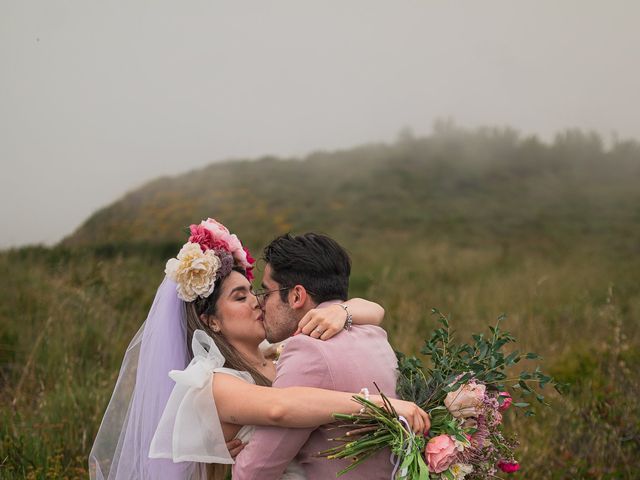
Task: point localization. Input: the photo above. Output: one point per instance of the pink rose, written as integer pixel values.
(236, 247)
(221, 233)
(240, 253)
(508, 467)
(218, 229)
(203, 237)
(466, 401)
(440, 453)
(506, 402)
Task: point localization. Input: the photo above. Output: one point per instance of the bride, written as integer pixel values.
(194, 379)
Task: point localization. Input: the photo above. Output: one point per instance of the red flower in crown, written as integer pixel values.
(251, 261)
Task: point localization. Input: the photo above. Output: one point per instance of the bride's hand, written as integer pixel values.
(417, 418)
(323, 323)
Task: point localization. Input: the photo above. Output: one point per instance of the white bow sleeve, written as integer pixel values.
(189, 429)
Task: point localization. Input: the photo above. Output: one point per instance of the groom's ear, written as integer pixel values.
(298, 297)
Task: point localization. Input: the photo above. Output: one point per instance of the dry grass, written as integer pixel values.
(67, 316)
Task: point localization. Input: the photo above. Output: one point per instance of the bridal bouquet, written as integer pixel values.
(465, 389)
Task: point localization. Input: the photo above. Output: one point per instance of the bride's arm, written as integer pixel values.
(243, 403)
(325, 322)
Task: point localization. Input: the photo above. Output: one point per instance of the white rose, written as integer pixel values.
(194, 271)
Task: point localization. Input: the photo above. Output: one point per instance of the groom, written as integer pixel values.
(304, 272)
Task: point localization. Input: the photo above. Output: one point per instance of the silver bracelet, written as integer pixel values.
(349, 321)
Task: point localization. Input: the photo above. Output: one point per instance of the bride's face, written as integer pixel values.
(238, 314)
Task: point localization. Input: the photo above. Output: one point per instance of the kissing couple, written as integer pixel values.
(197, 397)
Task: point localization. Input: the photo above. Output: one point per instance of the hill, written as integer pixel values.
(488, 184)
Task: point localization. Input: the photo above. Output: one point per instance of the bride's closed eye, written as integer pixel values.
(239, 294)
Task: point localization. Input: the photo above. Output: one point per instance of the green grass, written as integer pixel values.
(67, 319)
(473, 223)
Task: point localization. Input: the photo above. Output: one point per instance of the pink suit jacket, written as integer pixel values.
(347, 362)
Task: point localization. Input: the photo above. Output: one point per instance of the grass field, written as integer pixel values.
(567, 275)
(67, 318)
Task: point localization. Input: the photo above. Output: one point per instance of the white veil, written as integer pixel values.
(121, 447)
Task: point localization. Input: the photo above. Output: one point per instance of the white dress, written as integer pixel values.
(189, 429)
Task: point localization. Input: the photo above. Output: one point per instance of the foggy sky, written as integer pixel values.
(98, 97)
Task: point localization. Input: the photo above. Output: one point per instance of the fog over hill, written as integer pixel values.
(489, 183)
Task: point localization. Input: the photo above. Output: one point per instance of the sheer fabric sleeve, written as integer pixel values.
(189, 429)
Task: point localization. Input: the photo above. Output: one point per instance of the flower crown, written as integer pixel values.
(210, 253)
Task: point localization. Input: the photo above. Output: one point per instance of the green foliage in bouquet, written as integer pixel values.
(455, 364)
(464, 389)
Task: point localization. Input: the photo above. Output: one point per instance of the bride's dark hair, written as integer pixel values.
(233, 358)
(208, 306)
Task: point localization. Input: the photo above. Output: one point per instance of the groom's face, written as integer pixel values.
(280, 320)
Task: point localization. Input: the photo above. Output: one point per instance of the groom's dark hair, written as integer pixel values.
(312, 260)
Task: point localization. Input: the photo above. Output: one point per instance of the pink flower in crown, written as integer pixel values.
(235, 247)
(221, 232)
(225, 240)
(206, 239)
(228, 242)
(216, 227)
(240, 253)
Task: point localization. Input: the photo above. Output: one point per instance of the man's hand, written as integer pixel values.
(235, 446)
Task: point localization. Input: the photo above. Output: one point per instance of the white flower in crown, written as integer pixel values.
(194, 271)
